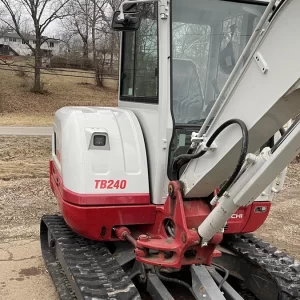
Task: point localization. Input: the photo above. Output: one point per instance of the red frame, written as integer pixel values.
(99, 217)
(96, 222)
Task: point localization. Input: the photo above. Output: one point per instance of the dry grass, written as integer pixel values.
(23, 119)
(22, 107)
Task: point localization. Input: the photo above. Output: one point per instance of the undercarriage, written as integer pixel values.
(249, 268)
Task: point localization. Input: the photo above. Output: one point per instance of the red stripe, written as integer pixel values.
(104, 199)
(94, 199)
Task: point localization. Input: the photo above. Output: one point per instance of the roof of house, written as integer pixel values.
(28, 36)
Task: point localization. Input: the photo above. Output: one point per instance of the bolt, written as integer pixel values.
(226, 194)
(171, 190)
(144, 238)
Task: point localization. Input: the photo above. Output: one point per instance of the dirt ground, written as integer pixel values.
(25, 196)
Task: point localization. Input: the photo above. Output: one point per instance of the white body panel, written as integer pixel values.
(156, 120)
(82, 164)
(260, 99)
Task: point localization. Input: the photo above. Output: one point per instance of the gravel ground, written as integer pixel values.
(22, 203)
(25, 196)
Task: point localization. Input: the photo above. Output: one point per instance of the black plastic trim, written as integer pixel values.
(169, 170)
(149, 100)
(254, 2)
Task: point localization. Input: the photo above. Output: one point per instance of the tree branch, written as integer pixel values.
(54, 16)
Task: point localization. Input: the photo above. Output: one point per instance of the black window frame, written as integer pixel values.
(139, 99)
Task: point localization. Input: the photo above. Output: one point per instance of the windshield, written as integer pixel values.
(208, 37)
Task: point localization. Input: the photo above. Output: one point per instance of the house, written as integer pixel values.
(12, 44)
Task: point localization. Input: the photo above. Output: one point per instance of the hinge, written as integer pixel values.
(261, 62)
(164, 12)
(202, 141)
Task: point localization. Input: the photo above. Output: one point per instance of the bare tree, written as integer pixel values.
(42, 13)
(98, 25)
(114, 37)
(78, 22)
(104, 39)
(91, 20)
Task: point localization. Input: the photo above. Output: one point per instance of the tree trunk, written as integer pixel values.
(112, 48)
(85, 51)
(37, 66)
(86, 33)
(102, 65)
(1, 105)
(95, 60)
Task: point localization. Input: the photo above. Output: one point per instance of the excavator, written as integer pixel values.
(160, 197)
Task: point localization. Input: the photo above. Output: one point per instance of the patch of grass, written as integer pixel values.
(84, 83)
(23, 107)
(25, 119)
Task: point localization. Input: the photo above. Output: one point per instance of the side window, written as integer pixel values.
(139, 74)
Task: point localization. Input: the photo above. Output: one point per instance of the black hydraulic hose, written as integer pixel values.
(221, 268)
(285, 134)
(178, 281)
(243, 154)
(184, 158)
(282, 131)
(181, 160)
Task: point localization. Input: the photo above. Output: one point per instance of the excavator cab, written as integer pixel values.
(173, 68)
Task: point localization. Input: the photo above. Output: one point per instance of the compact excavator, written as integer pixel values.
(160, 196)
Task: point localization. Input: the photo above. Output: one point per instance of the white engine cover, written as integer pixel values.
(117, 167)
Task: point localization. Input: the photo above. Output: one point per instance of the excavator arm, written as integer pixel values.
(257, 101)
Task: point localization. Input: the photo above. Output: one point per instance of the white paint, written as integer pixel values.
(156, 120)
(81, 166)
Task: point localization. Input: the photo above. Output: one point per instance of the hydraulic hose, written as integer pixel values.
(181, 160)
(285, 134)
(243, 153)
(185, 158)
(226, 275)
(175, 280)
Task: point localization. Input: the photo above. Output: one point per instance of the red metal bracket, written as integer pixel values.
(180, 244)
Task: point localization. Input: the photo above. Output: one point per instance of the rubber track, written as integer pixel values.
(283, 269)
(96, 273)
